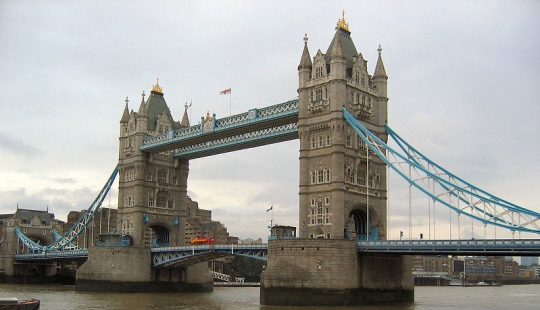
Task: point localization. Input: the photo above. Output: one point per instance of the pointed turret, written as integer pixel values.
(185, 118)
(305, 66)
(341, 49)
(379, 76)
(125, 115)
(142, 116)
(142, 107)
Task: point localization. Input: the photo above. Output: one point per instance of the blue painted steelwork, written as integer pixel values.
(77, 229)
(53, 255)
(483, 247)
(168, 255)
(262, 118)
(237, 140)
(451, 191)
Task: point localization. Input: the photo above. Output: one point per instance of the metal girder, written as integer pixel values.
(444, 187)
(276, 118)
(70, 235)
(483, 247)
(188, 255)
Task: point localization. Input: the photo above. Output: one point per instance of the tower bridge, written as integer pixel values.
(342, 255)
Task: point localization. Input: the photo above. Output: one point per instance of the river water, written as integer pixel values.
(514, 297)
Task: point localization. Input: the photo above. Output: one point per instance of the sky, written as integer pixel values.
(463, 88)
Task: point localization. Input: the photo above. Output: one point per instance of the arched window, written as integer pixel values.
(162, 176)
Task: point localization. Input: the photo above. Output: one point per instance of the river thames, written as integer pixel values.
(58, 297)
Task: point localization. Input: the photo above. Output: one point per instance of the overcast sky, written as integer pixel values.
(464, 84)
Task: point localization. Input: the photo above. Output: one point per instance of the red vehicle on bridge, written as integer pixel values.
(202, 240)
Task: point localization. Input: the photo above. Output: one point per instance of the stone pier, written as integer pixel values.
(129, 270)
(327, 272)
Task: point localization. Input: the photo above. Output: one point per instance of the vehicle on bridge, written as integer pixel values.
(202, 240)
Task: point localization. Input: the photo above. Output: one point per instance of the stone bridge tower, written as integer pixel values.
(340, 180)
(152, 187)
(343, 190)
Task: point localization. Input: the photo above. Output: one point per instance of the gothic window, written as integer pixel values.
(320, 176)
(326, 175)
(362, 173)
(149, 176)
(314, 142)
(318, 72)
(313, 177)
(357, 98)
(321, 141)
(348, 140)
(327, 236)
(357, 78)
(161, 200)
(170, 204)
(162, 176)
(320, 209)
(351, 177)
(327, 220)
(363, 100)
(328, 140)
(151, 202)
(319, 221)
(160, 129)
(312, 202)
(363, 81)
(174, 180)
(318, 94)
(325, 93)
(327, 202)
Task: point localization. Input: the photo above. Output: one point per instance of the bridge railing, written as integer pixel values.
(273, 112)
(53, 254)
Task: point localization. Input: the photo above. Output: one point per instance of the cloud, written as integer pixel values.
(9, 143)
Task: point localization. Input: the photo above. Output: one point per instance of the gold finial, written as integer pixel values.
(156, 88)
(341, 22)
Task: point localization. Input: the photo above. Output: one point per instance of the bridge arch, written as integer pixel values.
(357, 227)
(158, 234)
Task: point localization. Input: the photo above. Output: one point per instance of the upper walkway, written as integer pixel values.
(276, 123)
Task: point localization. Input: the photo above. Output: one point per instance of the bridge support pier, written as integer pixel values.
(331, 272)
(26, 273)
(129, 270)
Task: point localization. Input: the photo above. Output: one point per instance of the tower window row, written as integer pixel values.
(161, 177)
(320, 176)
(360, 98)
(321, 141)
(161, 201)
(318, 94)
(129, 201)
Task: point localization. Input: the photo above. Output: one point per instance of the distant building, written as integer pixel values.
(529, 261)
(105, 221)
(199, 223)
(282, 232)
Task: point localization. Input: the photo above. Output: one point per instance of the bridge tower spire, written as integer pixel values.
(342, 185)
(152, 187)
(342, 194)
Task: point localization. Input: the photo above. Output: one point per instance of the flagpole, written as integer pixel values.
(230, 103)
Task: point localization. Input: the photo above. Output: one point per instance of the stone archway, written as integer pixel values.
(357, 225)
(157, 235)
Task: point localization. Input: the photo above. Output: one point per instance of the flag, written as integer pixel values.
(225, 91)
(270, 208)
